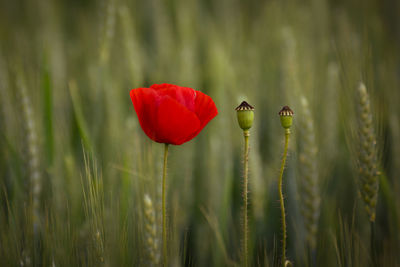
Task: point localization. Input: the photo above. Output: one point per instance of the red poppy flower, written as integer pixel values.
(172, 114)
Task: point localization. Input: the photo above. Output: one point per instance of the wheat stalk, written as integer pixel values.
(31, 153)
(308, 174)
(151, 239)
(32, 162)
(367, 158)
(93, 196)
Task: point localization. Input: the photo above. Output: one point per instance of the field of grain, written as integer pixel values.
(80, 183)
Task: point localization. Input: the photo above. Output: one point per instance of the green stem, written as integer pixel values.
(164, 219)
(287, 134)
(373, 252)
(245, 190)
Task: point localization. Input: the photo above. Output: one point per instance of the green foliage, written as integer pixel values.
(66, 68)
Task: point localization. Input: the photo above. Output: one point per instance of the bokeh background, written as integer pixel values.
(80, 183)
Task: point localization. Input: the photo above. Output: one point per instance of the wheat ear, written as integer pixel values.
(367, 153)
(151, 231)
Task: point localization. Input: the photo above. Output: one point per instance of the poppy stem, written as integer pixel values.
(245, 191)
(164, 219)
(287, 134)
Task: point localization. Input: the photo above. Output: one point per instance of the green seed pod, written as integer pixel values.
(245, 115)
(286, 115)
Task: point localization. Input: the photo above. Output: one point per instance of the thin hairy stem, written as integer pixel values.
(245, 185)
(164, 219)
(287, 134)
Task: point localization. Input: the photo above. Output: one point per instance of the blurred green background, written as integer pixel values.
(81, 183)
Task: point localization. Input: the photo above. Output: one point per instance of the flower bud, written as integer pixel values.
(245, 115)
(286, 115)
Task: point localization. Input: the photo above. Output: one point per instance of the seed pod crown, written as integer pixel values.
(286, 111)
(286, 115)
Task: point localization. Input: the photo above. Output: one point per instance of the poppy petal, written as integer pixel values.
(144, 100)
(175, 123)
(205, 108)
(163, 86)
(184, 95)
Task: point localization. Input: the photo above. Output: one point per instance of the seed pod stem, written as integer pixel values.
(245, 116)
(286, 116)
